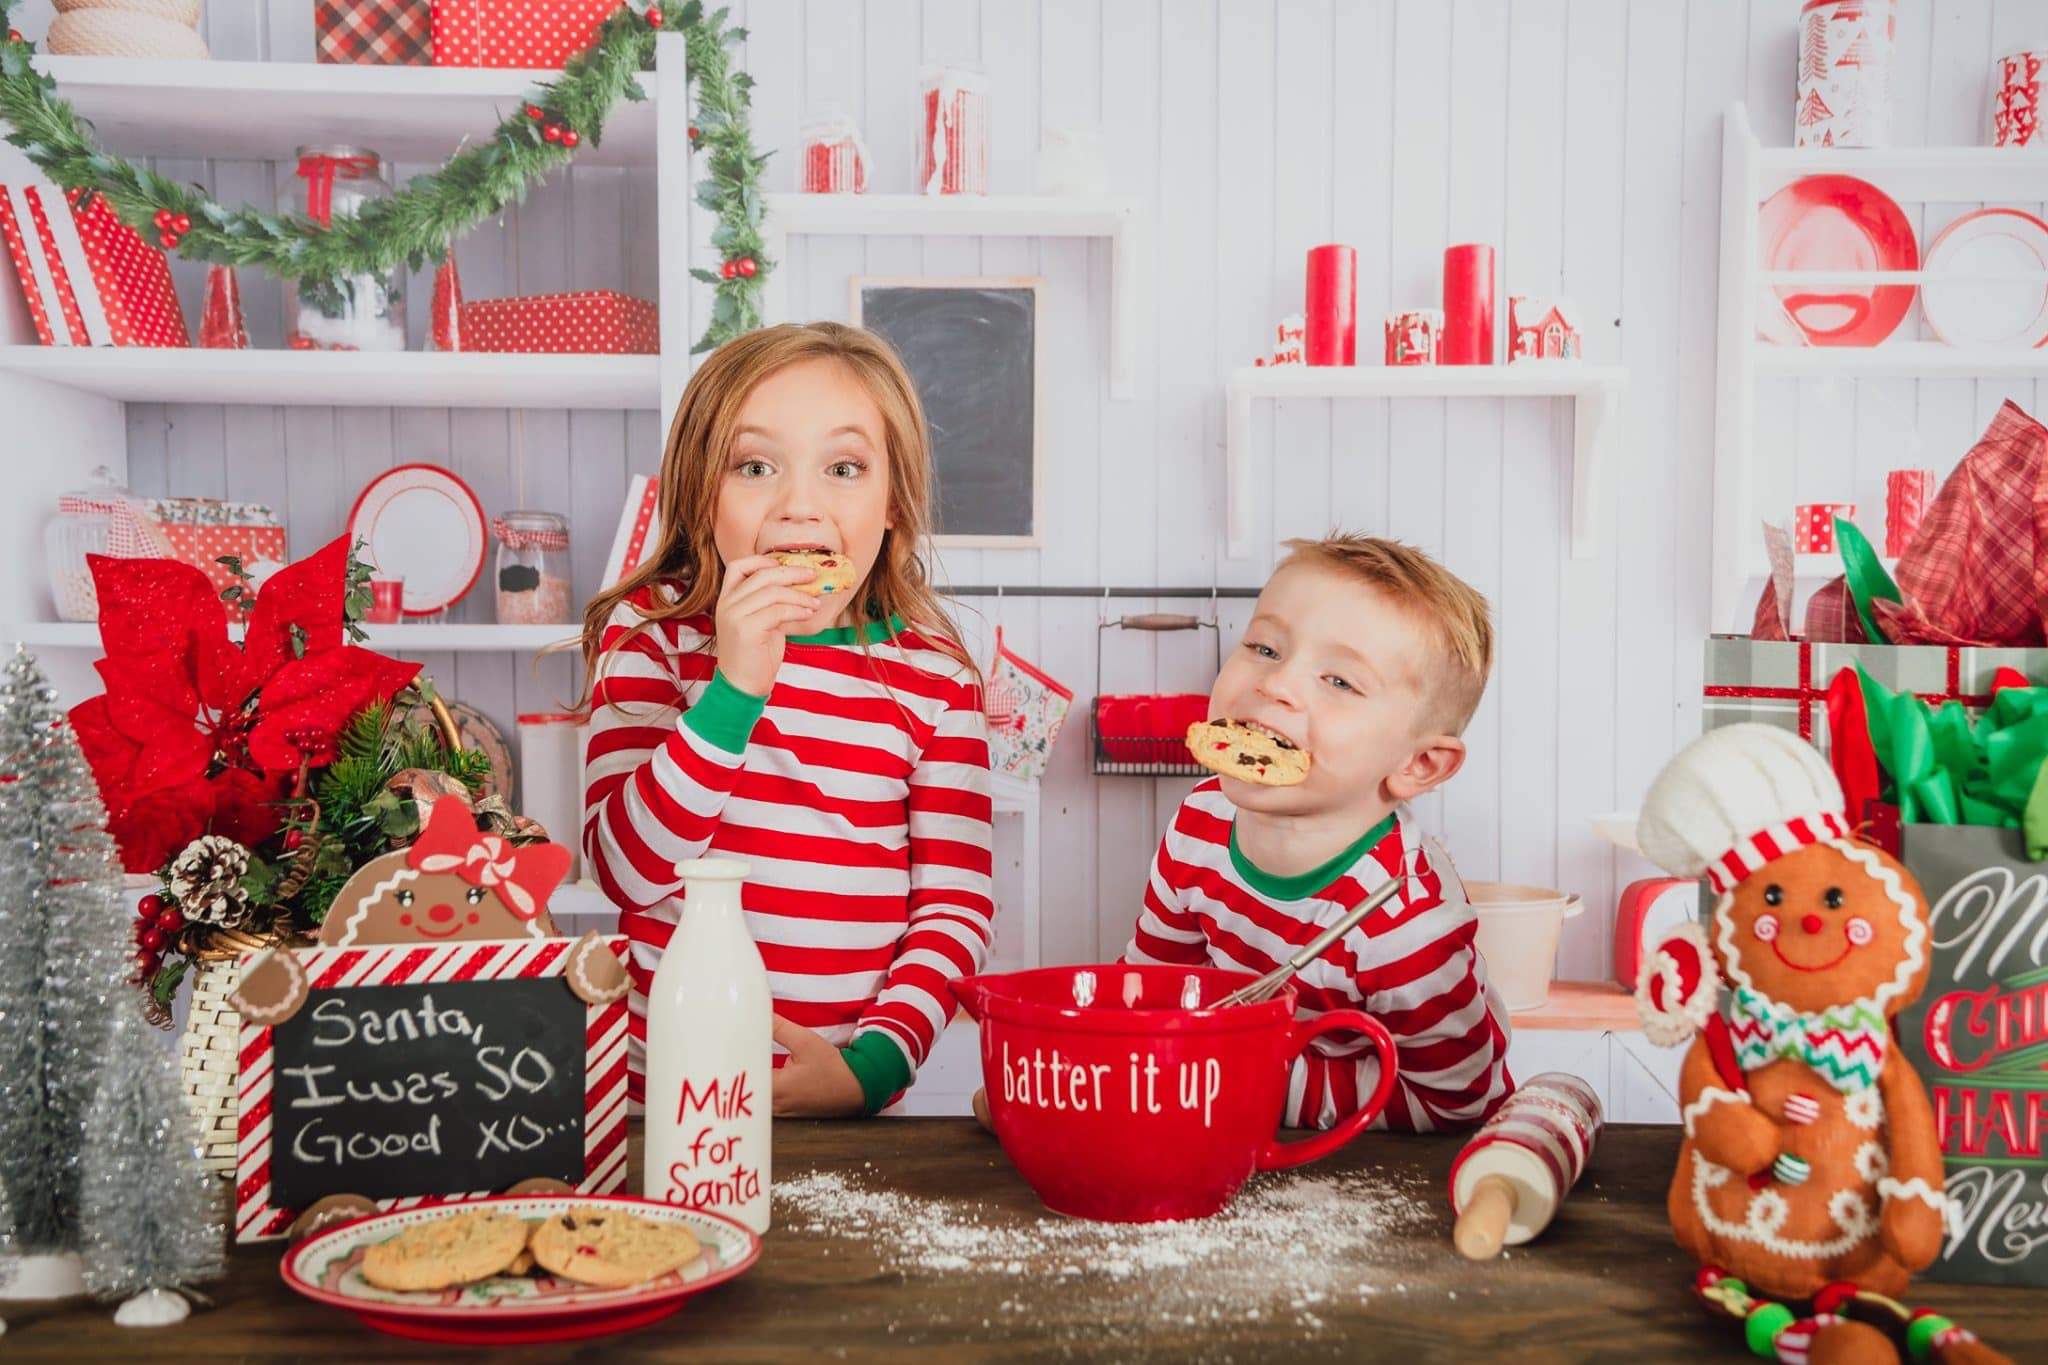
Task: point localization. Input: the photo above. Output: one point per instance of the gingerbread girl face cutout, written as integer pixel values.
(452, 884)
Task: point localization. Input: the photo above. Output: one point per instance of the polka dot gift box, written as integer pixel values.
(537, 34)
(132, 277)
(1813, 526)
(596, 322)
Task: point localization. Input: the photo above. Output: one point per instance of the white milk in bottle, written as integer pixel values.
(709, 1067)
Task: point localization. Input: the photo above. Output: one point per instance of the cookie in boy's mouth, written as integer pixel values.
(1247, 751)
(834, 570)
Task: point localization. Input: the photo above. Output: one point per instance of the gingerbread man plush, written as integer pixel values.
(1810, 1153)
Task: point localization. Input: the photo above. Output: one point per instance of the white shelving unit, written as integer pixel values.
(1752, 173)
(1595, 390)
(262, 111)
(1122, 221)
(398, 639)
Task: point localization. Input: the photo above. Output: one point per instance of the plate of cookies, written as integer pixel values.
(520, 1268)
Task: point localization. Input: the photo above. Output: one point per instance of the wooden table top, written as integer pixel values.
(1604, 1283)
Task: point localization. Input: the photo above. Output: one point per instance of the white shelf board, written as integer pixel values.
(1117, 218)
(397, 640)
(263, 111)
(414, 379)
(1961, 175)
(1596, 391)
(1901, 360)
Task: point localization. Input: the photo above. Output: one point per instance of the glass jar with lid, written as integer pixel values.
(102, 518)
(533, 569)
(364, 312)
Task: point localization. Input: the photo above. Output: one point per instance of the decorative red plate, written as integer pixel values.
(2004, 308)
(422, 523)
(513, 1310)
(1837, 222)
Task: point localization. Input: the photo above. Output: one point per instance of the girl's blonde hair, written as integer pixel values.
(693, 465)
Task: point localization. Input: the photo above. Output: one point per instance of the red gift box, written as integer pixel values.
(1148, 729)
(202, 530)
(374, 32)
(595, 322)
(131, 277)
(536, 34)
(1813, 525)
(1906, 495)
(51, 305)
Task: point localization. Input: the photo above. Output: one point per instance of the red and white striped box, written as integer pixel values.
(1813, 526)
(604, 1066)
(637, 534)
(835, 159)
(538, 34)
(952, 150)
(56, 323)
(595, 322)
(1906, 495)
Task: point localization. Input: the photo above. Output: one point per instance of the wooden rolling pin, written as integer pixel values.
(1507, 1183)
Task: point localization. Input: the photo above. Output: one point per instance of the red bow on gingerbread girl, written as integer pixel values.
(454, 882)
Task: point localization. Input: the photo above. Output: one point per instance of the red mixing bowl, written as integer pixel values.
(1116, 1103)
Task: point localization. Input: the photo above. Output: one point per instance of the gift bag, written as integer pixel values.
(1026, 708)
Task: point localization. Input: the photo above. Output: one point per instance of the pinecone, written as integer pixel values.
(206, 881)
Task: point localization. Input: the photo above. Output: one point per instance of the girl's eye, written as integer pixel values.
(405, 898)
(754, 469)
(476, 895)
(1263, 651)
(1339, 683)
(846, 469)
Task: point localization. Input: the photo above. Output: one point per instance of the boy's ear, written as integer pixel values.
(1435, 761)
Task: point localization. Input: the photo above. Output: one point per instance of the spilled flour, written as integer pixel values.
(1287, 1247)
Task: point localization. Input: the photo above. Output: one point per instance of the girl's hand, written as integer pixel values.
(756, 607)
(815, 1083)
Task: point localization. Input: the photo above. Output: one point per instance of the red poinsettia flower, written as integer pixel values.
(197, 734)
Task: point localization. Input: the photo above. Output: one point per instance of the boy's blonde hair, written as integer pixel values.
(693, 466)
(1454, 612)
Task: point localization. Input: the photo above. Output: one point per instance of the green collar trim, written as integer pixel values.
(1311, 881)
(867, 633)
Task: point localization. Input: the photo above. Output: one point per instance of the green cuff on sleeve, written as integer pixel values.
(880, 1067)
(724, 715)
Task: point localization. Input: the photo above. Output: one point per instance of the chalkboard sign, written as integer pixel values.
(971, 346)
(418, 1074)
(437, 1089)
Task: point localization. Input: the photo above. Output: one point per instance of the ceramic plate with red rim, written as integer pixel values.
(513, 1309)
(2002, 308)
(422, 523)
(1837, 222)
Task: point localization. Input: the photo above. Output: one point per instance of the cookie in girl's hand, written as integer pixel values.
(834, 571)
(1248, 752)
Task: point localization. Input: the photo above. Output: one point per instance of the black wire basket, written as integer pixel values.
(1123, 753)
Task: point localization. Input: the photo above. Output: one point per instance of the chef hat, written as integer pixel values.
(1736, 798)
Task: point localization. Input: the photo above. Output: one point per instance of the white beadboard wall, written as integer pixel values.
(1581, 136)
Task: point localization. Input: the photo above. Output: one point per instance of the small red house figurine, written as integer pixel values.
(1541, 329)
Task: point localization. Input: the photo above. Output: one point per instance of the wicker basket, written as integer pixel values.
(208, 1055)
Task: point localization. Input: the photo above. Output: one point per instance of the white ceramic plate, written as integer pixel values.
(1998, 310)
(421, 523)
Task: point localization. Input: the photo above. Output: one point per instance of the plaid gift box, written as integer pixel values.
(1785, 683)
(202, 530)
(375, 32)
(596, 322)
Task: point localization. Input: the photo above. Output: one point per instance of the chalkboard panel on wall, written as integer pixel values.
(971, 346)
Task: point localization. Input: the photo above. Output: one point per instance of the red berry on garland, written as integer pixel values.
(729, 269)
(150, 906)
(163, 218)
(292, 839)
(654, 16)
(181, 225)
(696, 133)
(552, 132)
(171, 920)
(151, 938)
(534, 111)
(14, 36)
(570, 137)
(745, 265)
(168, 240)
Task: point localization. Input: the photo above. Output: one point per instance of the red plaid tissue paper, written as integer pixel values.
(374, 32)
(202, 530)
(596, 322)
(539, 34)
(133, 279)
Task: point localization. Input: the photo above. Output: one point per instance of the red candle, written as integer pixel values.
(1332, 306)
(1468, 306)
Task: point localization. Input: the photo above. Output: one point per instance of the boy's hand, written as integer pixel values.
(815, 1083)
(756, 607)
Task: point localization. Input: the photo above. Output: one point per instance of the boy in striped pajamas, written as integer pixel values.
(1369, 657)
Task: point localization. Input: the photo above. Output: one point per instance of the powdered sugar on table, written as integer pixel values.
(1288, 1245)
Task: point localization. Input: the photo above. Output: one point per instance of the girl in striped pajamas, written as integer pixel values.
(834, 741)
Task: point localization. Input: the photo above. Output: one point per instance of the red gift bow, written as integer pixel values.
(516, 539)
(319, 173)
(521, 877)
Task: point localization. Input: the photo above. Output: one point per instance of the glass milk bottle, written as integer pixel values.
(709, 1065)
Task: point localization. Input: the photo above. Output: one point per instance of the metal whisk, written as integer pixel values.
(1267, 986)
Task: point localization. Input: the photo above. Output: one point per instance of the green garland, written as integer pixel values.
(419, 224)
